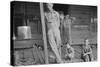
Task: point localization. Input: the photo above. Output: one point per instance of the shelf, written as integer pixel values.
(26, 43)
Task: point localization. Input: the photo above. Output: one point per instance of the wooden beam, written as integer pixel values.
(70, 39)
(44, 33)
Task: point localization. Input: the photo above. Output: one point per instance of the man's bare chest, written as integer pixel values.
(52, 16)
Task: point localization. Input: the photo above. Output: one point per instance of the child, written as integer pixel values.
(87, 52)
(69, 52)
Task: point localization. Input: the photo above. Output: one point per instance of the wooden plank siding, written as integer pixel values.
(83, 18)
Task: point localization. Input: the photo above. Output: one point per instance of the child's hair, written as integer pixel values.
(85, 39)
(67, 42)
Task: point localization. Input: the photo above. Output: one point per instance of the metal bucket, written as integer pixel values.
(24, 32)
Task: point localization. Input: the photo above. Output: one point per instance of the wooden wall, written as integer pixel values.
(81, 27)
(27, 13)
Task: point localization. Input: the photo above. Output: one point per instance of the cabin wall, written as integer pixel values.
(83, 27)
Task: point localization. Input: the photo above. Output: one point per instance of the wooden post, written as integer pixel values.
(70, 40)
(44, 33)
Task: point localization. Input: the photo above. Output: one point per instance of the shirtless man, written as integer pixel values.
(53, 24)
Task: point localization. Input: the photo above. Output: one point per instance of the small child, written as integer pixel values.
(87, 52)
(69, 52)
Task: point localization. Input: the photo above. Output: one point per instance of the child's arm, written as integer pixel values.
(90, 52)
(72, 53)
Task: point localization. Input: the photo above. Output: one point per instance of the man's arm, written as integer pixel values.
(45, 17)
